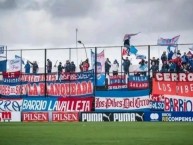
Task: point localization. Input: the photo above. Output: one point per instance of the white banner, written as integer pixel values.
(10, 105)
(10, 116)
(178, 103)
(126, 103)
(14, 65)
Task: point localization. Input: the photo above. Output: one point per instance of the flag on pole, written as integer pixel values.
(128, 36)
(133, 50)
(100, 64)
(168, 42)
(140, 56)
(18, 57)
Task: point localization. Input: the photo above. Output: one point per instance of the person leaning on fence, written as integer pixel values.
(115, 67)
(60, 68)
(49, 66)
(178, 62)
(164, 57)
(165, 67)
(34, 67)
(154, 68)
(67, 66)
(72, 67)
(126, 65)
(27, 67)
(107, 66)
(154, 61)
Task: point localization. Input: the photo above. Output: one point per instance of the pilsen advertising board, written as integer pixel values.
(57, 104)
(121, 103)
(107, 117)
(35, 117)
(173, 84)
(73, 85)
(65, 116)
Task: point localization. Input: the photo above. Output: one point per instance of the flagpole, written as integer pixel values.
(76, 47)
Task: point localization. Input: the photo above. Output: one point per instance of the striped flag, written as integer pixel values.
(168, 42)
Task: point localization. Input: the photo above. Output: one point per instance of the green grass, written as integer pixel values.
(98, 133)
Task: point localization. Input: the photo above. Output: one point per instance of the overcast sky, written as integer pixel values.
(52, 23)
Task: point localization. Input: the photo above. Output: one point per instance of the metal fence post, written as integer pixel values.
(149, 78)
(45, 91)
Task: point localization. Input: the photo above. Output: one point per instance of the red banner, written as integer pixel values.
(11, 74)
(35, 117)
(174, 77)
(75, 104)
(173, 88)
(65, 117)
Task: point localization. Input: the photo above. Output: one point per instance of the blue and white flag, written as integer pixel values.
(1, 49)
(139, 56)
(168, 42)
(133, 50)
(100, 62)
(18, 57)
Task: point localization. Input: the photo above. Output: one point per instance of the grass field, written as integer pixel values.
(98, 133)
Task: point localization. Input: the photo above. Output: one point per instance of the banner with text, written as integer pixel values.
(138, 82)
(58, 104)
(169, 116)
(35, 117)
(107, 116)
(122, 104)
(15, 84)
(173, 84)
(65, 116)
(7, 105)
(51, 89)
(118, 82)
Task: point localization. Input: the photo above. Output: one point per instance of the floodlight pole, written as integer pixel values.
(84, 47)
(76, 46)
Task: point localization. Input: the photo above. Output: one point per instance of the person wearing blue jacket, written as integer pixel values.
(27, 67)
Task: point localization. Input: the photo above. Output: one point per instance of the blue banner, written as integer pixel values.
(138, 82)
(169, 116)
(77, 76)
(122, 93)
(157, 106)
(38, 104)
